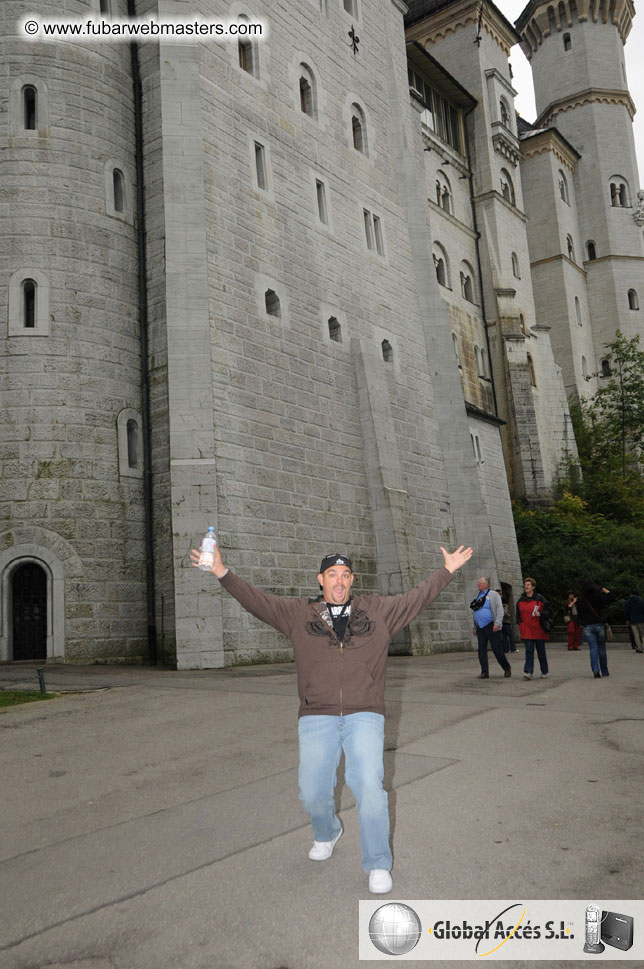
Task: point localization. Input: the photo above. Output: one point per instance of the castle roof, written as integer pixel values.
(418, 10)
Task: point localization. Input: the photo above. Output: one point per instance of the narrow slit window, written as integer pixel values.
(320, 191)
(358, 129)
(633, 300)
(29, 103)
(132, 444)
(29, 303)
(260, 166)
(117, 184)
(567, 42)
(377, 231)
(368, 229)
(387, 351)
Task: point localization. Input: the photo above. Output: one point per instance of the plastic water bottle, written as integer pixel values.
(207, 550)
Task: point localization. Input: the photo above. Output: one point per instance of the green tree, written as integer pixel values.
(615, 412)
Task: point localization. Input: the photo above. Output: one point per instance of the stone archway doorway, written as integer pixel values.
(29, 612)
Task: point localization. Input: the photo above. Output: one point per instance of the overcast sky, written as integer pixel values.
(634, 71)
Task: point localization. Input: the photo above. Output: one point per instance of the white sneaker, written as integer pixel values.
(322, 850)
(380, 881)
(543, 675)
(527, 676)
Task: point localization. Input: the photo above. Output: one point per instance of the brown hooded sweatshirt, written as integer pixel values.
(339, 678)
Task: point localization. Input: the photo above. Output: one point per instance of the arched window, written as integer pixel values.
(578, 311)
(522, 324)
(29, 108)
(584, 368)
(118, 189)
(467, 282)
(387, 351)
(619, 193)
(272, 301)
(441, 265)
(132, 430)
(443, 192)
(533, 377)
(308, 99)
(504, 111)
(247, 53)
(507, 188)
(567, 42)
(358, 129)
(563, 187)
(605, 368)
(571, 248)
(591, 250)
(633, 300)
(515, 266)
(29, 289)
(351, 7)
(335, 330)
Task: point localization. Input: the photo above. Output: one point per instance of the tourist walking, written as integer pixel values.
(572, 622)
(591, 609)
(532, 612)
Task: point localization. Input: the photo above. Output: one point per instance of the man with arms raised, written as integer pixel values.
(341, 645)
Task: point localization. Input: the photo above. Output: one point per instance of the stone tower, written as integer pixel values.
(72, 548)
(586, 245)
(472, 41)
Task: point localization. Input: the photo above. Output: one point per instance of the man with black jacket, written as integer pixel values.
(591, 611)
(340, 645)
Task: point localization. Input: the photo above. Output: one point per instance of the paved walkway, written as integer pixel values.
(150, 818)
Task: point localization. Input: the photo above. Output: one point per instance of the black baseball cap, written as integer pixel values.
(335, 558)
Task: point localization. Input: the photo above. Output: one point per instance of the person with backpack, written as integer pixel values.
(534, 618)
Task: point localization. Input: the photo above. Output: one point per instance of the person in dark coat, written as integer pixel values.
(591, 610)
(634, 613)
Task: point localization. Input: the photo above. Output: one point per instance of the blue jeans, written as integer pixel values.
(595, 636)
(541, 655)
(362, 737)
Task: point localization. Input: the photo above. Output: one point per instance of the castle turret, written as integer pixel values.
(577, 58)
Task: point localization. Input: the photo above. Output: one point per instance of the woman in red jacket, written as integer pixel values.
(531, 609)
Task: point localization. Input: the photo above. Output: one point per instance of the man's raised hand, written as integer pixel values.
(454, 560)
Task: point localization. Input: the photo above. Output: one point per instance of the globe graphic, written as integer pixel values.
(394, 929)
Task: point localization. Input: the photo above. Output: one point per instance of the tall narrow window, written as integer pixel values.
(592, 250)
(358, 129)
(633, 300)
(117, 184)
(563, 187)
(505, 113)
(584, 368)
(567, 42)
(248, 56)
(260, 166)
(105, 7)
(571, 248)
(335, 330)
(308, 100)
(507, 188)
(533, 376)
(605, 368)
(387, 351)
(272, 302)
(368, 228)
(29, 303)
(351, 7)
(515, 266)
(29, 111)
(320, 191)
(377, 231)
(456, 349)
(306, 96)
(578, 311)
(441, 264)
(132, 444)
